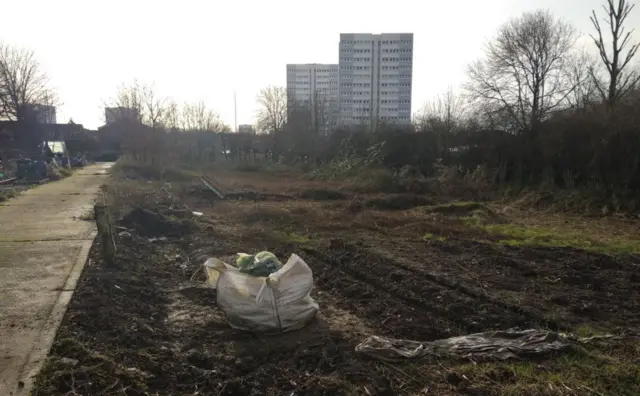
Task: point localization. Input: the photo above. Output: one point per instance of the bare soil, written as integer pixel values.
(150, 327)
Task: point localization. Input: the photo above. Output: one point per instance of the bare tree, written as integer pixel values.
(130, 97)
(523, 72)
(272, 114)
(442, 116)
(581, 70)
(621, 82)
(321, 110)
(152, 109)
(173, 115)
(155, 108)
(447, 110)
(300, 116)
(311, 116)
(22, 83)
(197, 117)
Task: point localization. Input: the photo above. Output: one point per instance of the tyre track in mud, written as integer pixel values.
(532, 316)
(561, 287)
(380, 310)
(451, 311)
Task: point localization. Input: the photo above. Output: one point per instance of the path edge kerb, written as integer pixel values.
(40, 349)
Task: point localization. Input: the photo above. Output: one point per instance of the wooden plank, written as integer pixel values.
(211, 187)
(106, 235)
(8, 181)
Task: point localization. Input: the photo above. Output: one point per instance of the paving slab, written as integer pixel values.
(44, 244)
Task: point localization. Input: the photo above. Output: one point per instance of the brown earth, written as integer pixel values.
(152, 328)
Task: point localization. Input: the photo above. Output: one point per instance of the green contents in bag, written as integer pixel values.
(259, 264)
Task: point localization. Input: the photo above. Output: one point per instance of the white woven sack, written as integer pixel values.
(278, 303)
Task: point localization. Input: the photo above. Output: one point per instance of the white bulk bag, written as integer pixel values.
(277, 303)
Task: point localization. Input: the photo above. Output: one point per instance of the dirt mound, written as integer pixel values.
(151, 224)
(201, 191)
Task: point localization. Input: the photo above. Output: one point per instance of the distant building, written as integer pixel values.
(27, 139)
(115, 114)
(376, 73)
(246, 128)
(314, 87)
(44, 114)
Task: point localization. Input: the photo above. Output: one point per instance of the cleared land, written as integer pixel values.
(419, 267)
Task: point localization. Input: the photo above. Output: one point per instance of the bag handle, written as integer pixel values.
(260, 295)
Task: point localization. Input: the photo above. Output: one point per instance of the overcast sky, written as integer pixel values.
(204, 50)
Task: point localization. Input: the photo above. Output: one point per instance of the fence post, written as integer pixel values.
(106, 235)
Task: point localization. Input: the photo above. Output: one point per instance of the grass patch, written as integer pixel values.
(586, 331)
(533, 235)
(576, 373)
(431, 237)
(293, 237)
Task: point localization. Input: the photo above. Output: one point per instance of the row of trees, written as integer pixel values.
(564, 116)
(531, 70)
(22, 84)
(160, 112)
(536, 107)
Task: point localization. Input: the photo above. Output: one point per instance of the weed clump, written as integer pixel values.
(7, 194)
(428, 237)
(142, 171)
(381, 180)
(458, 208)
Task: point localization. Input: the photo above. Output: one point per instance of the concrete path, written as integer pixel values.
(43, 248)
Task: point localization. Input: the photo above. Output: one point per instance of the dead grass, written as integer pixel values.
(457, 208)
(386, 181)
(7, 193)
(576, 373)
(125, 168)
(431, 237)
(66, 172)
(578, 202)
(88, 215)
(297, 238)
(533, 228)
(536, 228)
